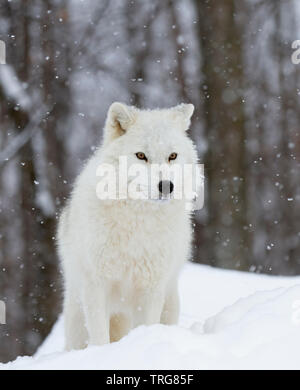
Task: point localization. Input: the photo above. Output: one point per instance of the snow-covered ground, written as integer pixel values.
(229, 320)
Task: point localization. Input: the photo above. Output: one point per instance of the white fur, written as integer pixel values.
(121, 258)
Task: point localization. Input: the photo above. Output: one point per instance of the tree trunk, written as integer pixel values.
(220, 32)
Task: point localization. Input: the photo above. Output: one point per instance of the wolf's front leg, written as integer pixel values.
(150, 308)
(170, 313)
(96, 314)
(75, 332)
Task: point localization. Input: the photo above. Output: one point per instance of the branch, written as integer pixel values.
(12, 87)
(32, 128)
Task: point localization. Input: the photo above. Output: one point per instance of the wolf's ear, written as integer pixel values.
(119, 118)
(184, 113)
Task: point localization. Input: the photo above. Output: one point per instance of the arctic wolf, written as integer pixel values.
(121, 258)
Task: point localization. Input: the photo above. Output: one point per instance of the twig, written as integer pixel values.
(32, 128)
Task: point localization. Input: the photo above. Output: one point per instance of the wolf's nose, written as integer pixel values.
(165, 187)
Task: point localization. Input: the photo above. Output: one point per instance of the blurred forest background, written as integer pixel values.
(67, 61)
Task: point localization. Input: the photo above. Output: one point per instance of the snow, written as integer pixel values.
(229, 320)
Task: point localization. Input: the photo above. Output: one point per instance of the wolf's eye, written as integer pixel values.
(141, 156)
(172, 156)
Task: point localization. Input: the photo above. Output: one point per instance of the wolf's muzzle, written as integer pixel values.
(165, 187)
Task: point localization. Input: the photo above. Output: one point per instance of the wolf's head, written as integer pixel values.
(150, 143)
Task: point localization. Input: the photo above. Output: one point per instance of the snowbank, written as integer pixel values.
(229, 320)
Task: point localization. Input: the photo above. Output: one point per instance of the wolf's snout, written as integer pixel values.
(165, 187)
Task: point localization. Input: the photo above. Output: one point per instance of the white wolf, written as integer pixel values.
(121, 258)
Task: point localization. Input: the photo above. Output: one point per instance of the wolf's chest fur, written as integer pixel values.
(137, 247)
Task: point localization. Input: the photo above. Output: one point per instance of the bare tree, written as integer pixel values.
(220, 39)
